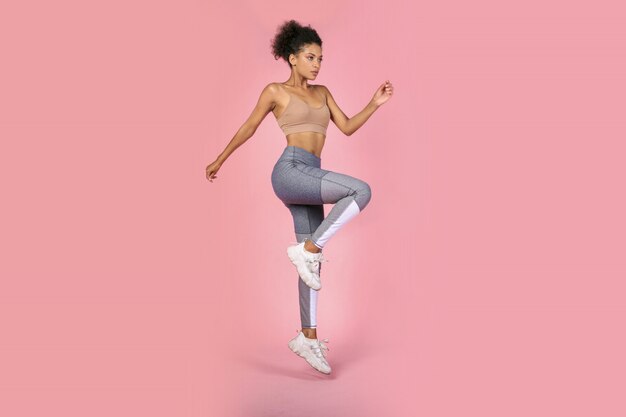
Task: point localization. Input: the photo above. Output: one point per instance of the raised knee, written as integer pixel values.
(363, 195)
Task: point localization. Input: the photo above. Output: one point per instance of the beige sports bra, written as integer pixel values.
(299, 116)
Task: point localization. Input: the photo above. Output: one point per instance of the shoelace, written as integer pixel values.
(316, 260)
(318, 346)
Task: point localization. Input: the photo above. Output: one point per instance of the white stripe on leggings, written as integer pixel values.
(313, 306)
(349, 213)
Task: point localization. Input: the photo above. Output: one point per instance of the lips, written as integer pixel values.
(315, 72)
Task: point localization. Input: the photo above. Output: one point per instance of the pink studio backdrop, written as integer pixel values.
(485, 278)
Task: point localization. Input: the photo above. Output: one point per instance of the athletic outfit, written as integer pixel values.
(303, 187)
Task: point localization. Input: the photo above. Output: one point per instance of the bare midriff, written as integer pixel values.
(310, 141)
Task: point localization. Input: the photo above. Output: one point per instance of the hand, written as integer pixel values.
(212, 169)
(383, 93)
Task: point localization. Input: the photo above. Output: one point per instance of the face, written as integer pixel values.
(309, 61)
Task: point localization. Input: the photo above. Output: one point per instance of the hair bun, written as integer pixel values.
(290, 37)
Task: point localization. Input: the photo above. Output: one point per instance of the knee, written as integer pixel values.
(363, 195)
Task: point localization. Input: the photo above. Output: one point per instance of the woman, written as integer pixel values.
(303, 112)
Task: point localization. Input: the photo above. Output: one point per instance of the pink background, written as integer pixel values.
(485, 278)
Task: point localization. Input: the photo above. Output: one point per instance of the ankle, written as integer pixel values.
(309, 246)
(309, 333)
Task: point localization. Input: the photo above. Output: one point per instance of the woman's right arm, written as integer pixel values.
(264, 105)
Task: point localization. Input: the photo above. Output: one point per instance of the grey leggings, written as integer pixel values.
(303, 187)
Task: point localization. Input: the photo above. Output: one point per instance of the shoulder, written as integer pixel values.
(323, 90)
(272, 94)
(275, 90)
(271, 88)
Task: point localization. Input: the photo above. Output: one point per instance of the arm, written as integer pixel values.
(264, 105)
(356, 121)
(350, 125)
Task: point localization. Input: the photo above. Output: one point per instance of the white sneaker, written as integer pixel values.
(311, 350)
(307, 263)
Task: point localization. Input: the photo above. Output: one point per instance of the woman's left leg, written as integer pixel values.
(306, 219)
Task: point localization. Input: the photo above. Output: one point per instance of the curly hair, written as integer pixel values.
(290, 37)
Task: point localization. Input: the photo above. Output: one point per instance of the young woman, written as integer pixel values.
(303, 112)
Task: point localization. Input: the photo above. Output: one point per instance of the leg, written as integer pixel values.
(350, 196)
(297, 178)
(306, 219)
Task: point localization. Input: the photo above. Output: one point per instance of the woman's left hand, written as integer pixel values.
(383, 93)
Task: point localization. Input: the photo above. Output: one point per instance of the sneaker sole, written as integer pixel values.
(303, 357)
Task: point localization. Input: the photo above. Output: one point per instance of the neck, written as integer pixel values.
(296, 80)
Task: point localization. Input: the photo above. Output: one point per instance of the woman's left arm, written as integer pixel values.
(351, 125)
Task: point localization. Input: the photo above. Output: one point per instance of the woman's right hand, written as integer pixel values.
(212, 169)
